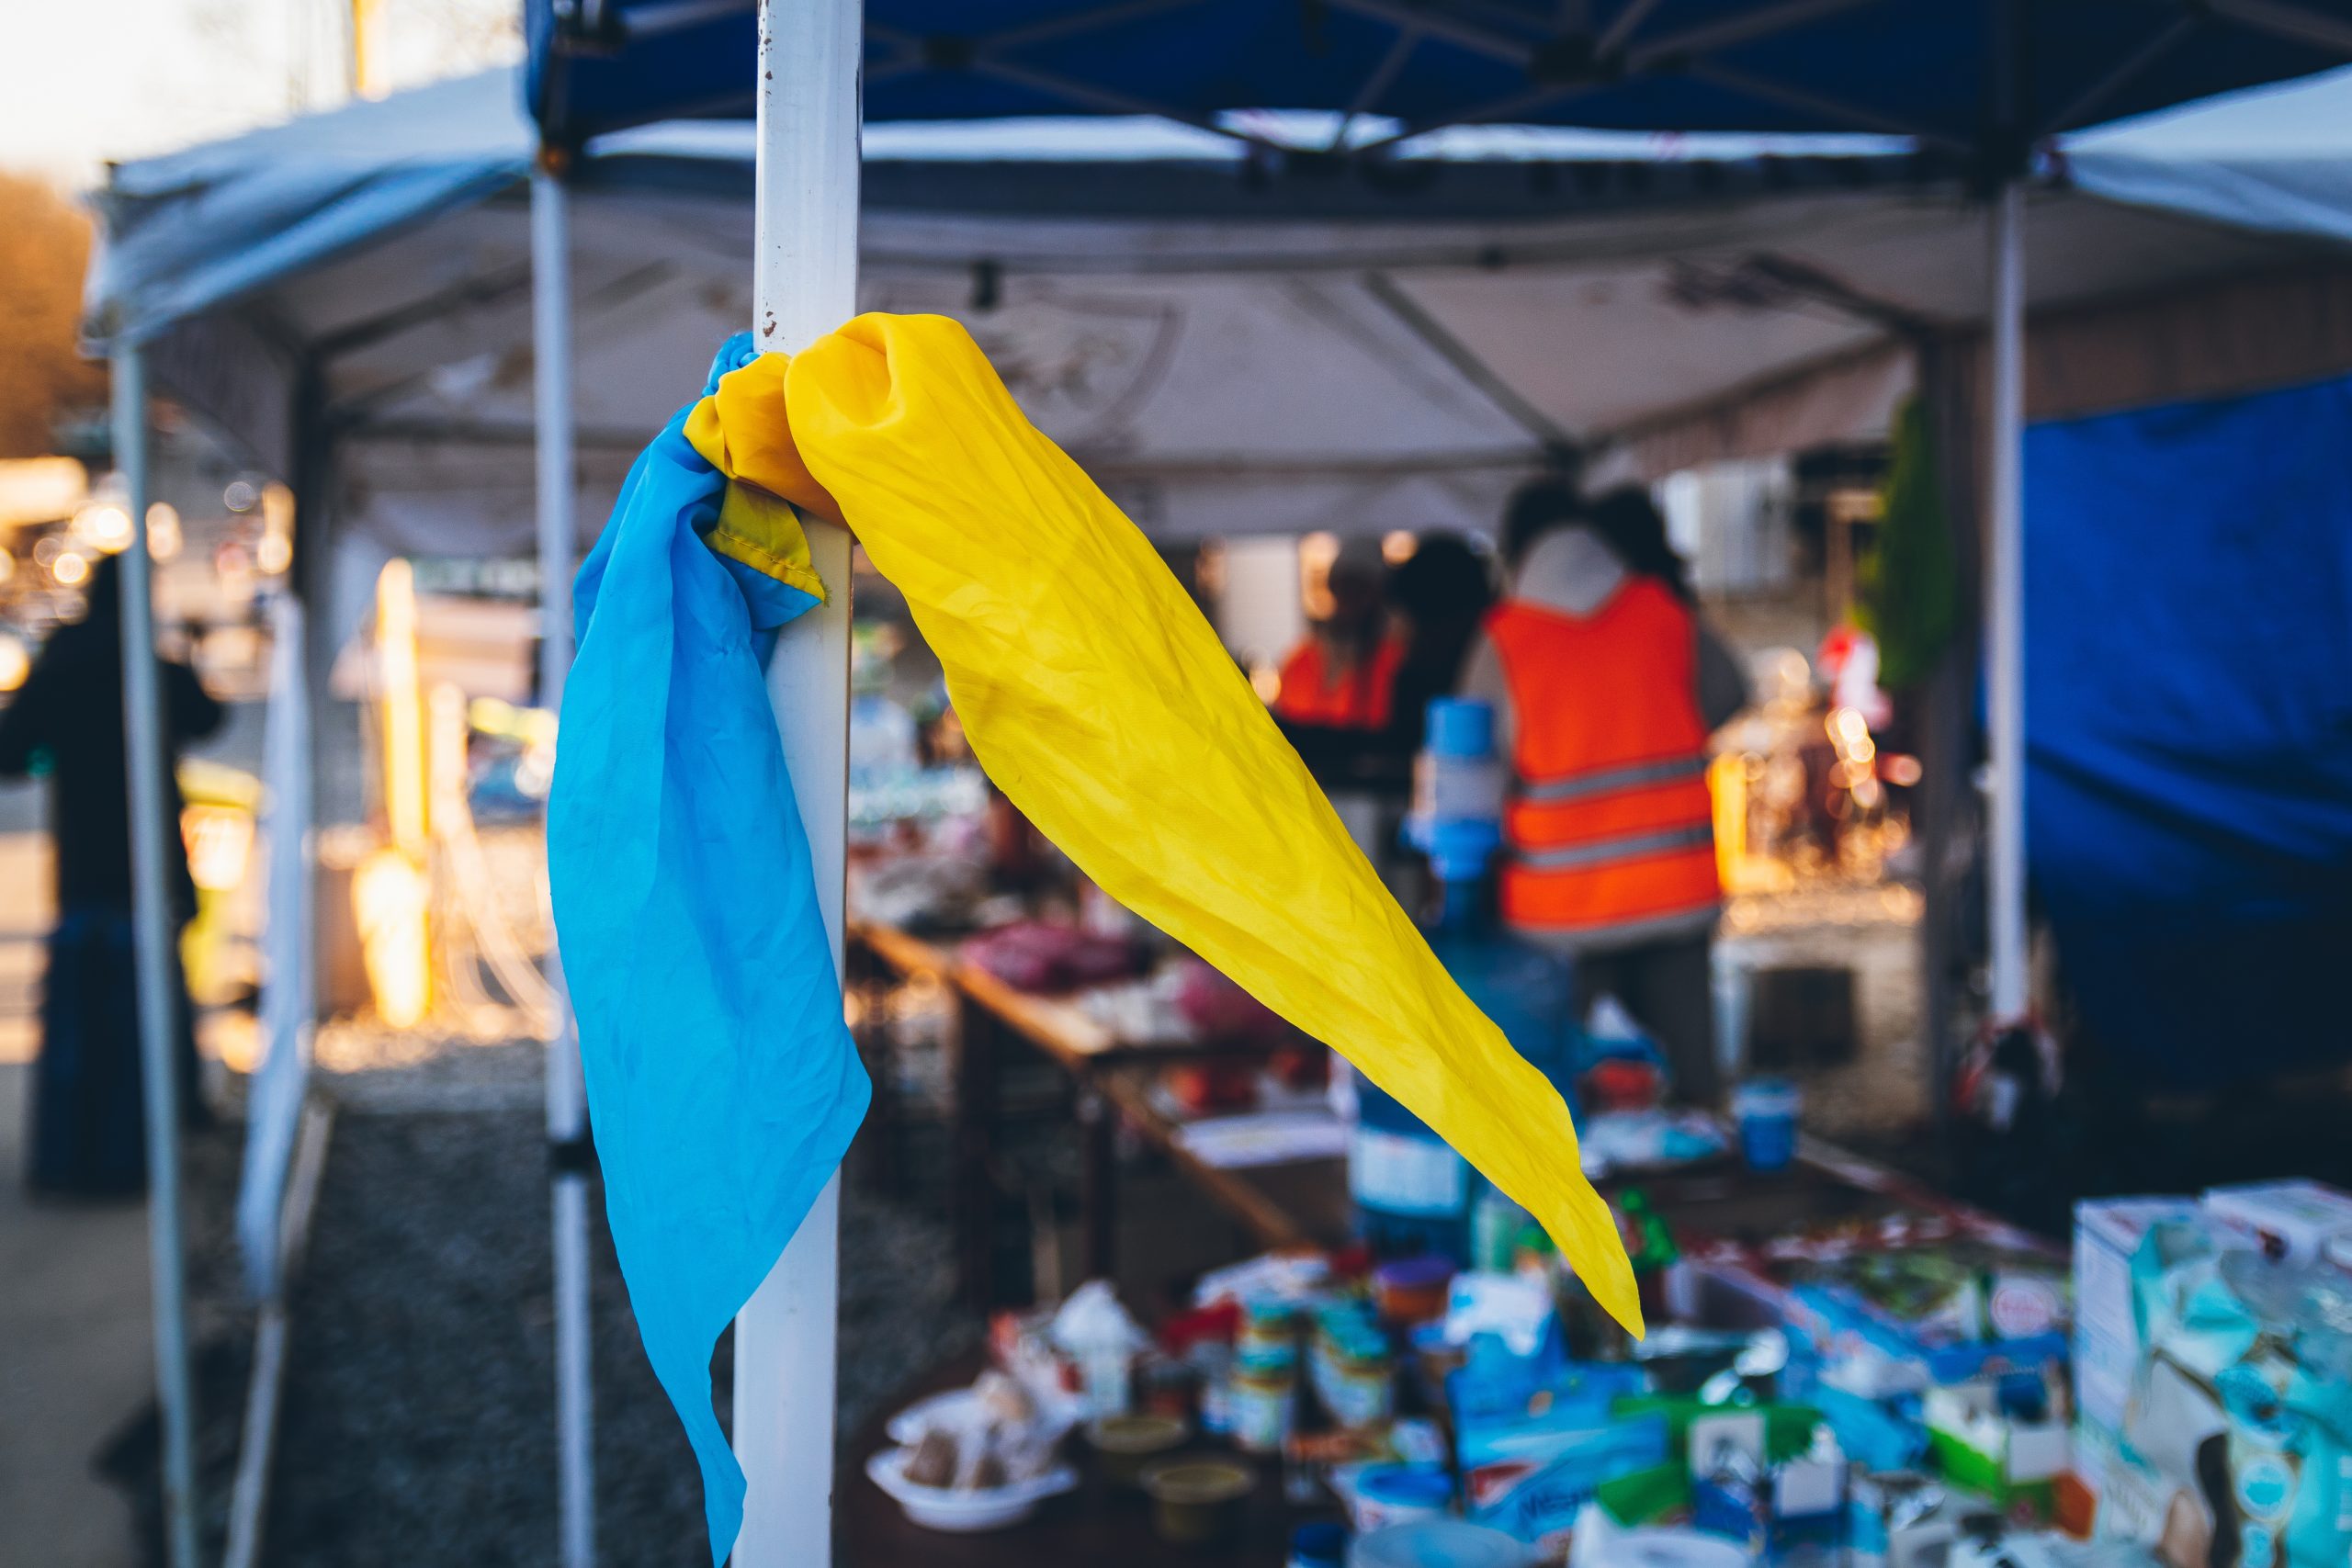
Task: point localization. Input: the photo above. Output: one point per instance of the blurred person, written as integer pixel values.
(1606, 685)
(1437, 597)
(1442, 591)
(1354, 694)
(67, 720)
(1342, 676)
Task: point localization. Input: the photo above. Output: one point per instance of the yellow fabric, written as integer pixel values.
(755, 526)
(1101, 703)
(765, 533)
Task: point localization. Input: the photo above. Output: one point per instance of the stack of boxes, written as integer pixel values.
(2213, 1367)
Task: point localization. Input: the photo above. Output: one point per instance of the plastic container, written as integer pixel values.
(1360, 1389)
(1213, 1364)
(1412, 1192)
(1766, 1112)
(1669, 1548)
(965, 1511)
(1125, 1444)
(1437, 1543)
(1264, 1402)
(1268, 1324)
(1494, 1223)
(1389, 1495)
(1196, 1502)
(1321, 1544)
(1412, 1290)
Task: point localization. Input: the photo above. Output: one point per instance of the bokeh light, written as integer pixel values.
(163, 531)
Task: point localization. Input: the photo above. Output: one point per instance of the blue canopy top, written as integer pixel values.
(1990, 75)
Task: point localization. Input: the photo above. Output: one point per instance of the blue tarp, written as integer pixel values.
(1905, 66)
(2189, 711)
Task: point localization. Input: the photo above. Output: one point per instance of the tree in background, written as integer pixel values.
(44, 251)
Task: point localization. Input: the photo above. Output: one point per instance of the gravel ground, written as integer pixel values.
(419, 1407)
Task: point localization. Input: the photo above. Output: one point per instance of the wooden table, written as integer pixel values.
(1303, 1202)
(1109, 1075)
(1093, 1525)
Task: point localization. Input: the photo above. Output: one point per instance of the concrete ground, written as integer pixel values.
(75, 1353)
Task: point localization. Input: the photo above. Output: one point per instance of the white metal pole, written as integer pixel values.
(2004, 613)
(566, 1092)
(804, 284)
(143, 753)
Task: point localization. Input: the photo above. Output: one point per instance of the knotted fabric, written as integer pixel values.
(1096, 696)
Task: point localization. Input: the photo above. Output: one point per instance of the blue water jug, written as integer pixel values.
(1413, 1194)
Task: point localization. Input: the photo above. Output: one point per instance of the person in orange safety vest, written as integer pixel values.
(1606, 685)
(1344, 676)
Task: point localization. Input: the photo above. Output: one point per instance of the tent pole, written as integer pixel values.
(2005, 610)
(143, 751)
(566, 1102)
(804, 284)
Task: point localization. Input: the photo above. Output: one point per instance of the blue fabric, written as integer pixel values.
(722, 1084)
(1921, 65)
(2188, 626)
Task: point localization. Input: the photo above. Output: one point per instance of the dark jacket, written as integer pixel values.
(69, 710)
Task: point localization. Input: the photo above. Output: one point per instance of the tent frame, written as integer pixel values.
(156, 978)
(1575, 60)
(569, 1148)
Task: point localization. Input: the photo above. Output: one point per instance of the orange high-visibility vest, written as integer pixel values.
(1608, 822)
(1359, 699)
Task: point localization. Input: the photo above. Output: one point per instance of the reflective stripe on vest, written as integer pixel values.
(1602, 851)
(1608, 781)
(1609, 822)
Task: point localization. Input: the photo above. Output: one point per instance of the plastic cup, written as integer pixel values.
(1196, 1502)
(1765, 1111)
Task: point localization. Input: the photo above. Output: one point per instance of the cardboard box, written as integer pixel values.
(2010, 1463)
(1530, 1477)
(2286, 1222)
(2233, 1449)
(2108, 1231)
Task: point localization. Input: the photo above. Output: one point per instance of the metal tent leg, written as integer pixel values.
(567, 1106)
(2005, 611)
(142, 719)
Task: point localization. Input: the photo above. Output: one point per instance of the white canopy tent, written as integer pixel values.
(1397, 363)
(351, 299)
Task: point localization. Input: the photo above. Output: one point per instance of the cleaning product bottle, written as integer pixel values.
(1413, 1194)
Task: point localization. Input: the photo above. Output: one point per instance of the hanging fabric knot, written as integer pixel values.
(721, 1081)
